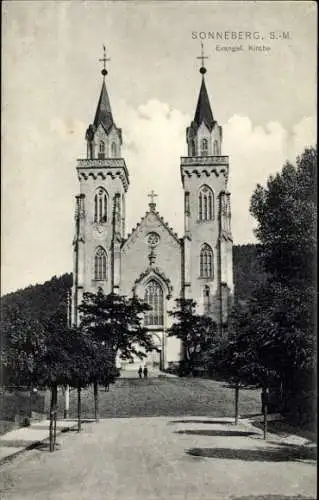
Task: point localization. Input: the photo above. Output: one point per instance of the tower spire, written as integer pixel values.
(103, 112)
(203, 111)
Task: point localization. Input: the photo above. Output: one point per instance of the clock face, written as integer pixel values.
(153, 239)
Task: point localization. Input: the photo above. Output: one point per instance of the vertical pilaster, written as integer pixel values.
(116, 247)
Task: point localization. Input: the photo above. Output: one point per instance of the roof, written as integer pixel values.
(161, 219)
(203, 111)
(103, 113)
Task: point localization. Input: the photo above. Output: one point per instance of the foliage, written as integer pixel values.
(248, 270)
(196, 332)
(273, 336)
(38, 301)
(45, 354)
(25, 340)
(114, 323)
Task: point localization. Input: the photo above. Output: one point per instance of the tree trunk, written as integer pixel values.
(53, 410)
(264, 398)
(236, 402)
(79, 408)
(66, 401)
(96, 402)
(55, 414)
(51, 419)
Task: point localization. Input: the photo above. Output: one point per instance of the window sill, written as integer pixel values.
(199, 221)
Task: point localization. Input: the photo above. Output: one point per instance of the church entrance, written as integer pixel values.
(155, 359)
(154, 320)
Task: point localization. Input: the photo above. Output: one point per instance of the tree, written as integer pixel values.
(23, 347)
(195, 331)
(114, 324)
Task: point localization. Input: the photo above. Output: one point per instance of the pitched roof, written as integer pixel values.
(103, 113)
(161, 220)
(203, 110)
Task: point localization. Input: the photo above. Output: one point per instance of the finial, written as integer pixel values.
(202, 57)
(104, 60)
(152, 195)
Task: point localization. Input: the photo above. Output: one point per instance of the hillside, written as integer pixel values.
(40, 301)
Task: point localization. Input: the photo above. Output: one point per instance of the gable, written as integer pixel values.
(151, 222)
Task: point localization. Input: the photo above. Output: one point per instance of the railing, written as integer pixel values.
(105, 162)
(187, 161)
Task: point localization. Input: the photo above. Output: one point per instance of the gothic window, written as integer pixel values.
(101, 150)
(216, 148)
(205, 204)
(100, 264)
(204, 147)
(100, 206)
(206, 262)
(113, 150)
(193, 148)
(154, 298)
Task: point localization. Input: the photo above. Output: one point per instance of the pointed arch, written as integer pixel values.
(206, 203)
(206, 268)
(154, 297)
(113, 150)
(216, 148)
(100, 264)
(100, 205)
(204, 147)
(101, 154)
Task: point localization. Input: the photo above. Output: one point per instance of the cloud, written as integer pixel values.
(255, 154)
(40, 184)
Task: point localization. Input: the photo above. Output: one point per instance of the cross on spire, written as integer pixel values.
(202, 57)
(104, 60)
(152, 195)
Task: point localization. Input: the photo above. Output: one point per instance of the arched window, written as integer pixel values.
(216, 148)
(100, 264)
(206, 262)
(154, 298)
(193, 148)
(205, 204)
(101, 150)
(113, 150)
(204, 147)
(100, 206)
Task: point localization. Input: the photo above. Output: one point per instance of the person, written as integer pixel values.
(140, 371)
(145, 371)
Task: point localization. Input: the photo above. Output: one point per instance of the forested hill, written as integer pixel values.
(40, 301)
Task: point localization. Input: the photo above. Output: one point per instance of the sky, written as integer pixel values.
(264, 100)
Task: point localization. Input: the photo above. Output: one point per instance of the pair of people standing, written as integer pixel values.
(143, 371)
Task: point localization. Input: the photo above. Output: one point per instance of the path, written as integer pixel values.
(159, 459)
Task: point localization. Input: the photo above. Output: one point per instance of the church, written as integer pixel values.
(153, 262)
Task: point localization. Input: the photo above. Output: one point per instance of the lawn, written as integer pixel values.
(165, 397)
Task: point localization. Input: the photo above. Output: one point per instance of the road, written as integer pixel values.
(163, 457)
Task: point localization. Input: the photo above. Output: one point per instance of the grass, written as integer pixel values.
(165, 397)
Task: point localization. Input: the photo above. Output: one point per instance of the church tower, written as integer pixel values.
(100, 206)
(208, 266)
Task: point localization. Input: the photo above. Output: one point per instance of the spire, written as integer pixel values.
(103, 112)
(203, 111)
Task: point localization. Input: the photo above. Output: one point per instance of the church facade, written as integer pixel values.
(153, 262)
